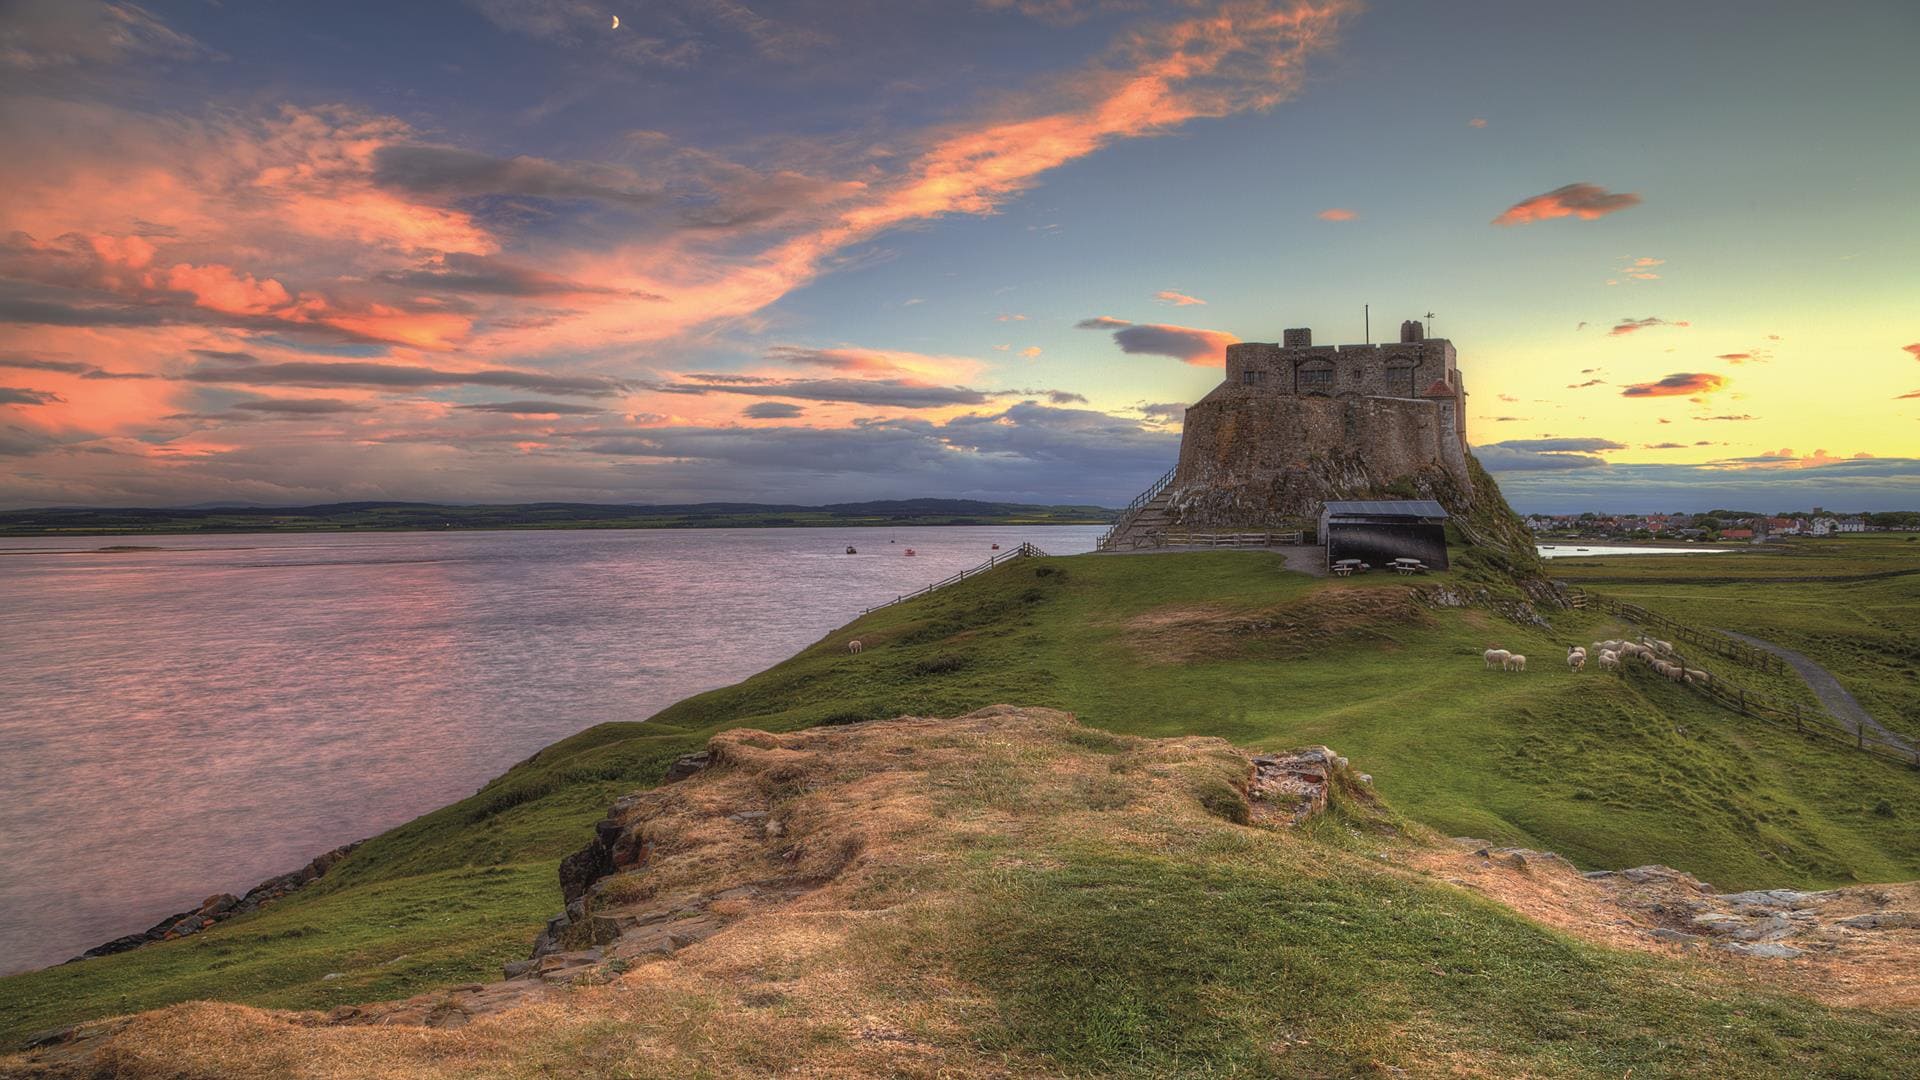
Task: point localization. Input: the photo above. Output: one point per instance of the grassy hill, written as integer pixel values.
(1609, 771)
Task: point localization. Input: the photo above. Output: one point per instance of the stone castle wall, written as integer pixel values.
(1249, 456)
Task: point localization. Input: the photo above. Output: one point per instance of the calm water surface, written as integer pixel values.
(187, 721)
(1571, 551)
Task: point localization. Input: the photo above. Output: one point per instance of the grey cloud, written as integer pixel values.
(16, 441)
(39, 35)
(35, 363)
(1501, 458)
(896, 393)
(17, 395)
(318, 374)
(1166, 412)
(451, 171)
(1588, 445)
(300, 406)
(772, 410)
(463, 272)
(532, 408)
(1101, 322)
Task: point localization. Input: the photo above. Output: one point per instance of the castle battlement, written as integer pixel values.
(1416, 367)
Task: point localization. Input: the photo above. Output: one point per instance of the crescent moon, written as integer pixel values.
(616, 22)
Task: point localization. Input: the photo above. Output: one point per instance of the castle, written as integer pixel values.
(1295, 424)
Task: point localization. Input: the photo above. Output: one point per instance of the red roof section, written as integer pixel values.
(1438, 389)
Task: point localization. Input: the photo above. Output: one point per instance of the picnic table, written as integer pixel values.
(1408, 566)
(1343, 567)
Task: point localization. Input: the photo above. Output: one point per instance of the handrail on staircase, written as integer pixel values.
(1133, 509)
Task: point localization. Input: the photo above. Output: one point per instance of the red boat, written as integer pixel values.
(909, 551)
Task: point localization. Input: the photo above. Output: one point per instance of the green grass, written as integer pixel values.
(1608, 771)
(1235, 962)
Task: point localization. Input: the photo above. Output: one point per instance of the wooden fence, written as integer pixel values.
(1812, 722)
(1023, 551)
(1660, 626)
(1215, 539)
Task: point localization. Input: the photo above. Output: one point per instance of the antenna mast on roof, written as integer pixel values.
(1430, 331)
(1366, 320)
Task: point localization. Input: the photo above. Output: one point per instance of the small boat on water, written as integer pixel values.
(996, 547)
(909, 551)
(850, 550)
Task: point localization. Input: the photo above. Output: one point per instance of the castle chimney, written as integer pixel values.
(1411, 330)
(1298, 337)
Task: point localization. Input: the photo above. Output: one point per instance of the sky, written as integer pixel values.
(830, 250)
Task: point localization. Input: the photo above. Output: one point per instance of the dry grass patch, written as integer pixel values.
(1182, 634)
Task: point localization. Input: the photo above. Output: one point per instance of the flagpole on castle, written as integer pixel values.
(1366, 320)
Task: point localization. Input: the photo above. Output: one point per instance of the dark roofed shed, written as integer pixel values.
(1378, 531)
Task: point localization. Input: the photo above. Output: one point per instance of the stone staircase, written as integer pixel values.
(1151, 517)
(1146, 512)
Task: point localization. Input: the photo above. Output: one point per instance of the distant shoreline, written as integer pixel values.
(428, 517)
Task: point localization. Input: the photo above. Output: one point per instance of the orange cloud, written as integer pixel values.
(1477, 122)
(1177, 299)
(1913, 348)
(1584, 201)
(1337, 214)
(1679, 384)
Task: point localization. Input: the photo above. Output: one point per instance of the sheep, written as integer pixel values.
(1663, 646)
(1695, 675)
(1577, 660)
(1495, 656)
(1608, 660)
(854, 646)
(1676, 673)
(1514, 662)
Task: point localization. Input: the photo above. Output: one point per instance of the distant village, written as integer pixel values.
(1719, 525)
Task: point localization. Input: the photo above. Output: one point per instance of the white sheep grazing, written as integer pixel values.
(1664, 646)
(1495, 656)
(1577, 660)
(1676, 673)
(854, 646)
(1695, 675)
(1608, 660)
(1514, 662)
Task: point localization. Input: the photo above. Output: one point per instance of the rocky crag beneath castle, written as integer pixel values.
(1294, 425)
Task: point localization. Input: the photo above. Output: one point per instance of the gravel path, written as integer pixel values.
(1837, 700)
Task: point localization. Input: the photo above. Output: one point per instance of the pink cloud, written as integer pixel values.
(1177, 299)
(1629, 326)
(1679, 384)
(1201, 348)
(1913, 348)
(1477, 122)
(1584, 201)
(1337, 214)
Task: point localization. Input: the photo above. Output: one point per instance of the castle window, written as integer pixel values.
(1253, 378)
(1318, 377)
(1400, 382)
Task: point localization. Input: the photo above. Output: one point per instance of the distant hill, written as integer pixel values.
(329, 517)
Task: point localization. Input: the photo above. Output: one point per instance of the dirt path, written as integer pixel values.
(1835, 698)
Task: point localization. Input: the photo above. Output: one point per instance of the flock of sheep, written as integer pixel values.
(1611, 656)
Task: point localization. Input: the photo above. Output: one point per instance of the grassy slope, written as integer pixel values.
(1866, 631)
(1609, 772)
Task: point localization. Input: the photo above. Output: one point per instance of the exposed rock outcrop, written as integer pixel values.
(222, 906)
